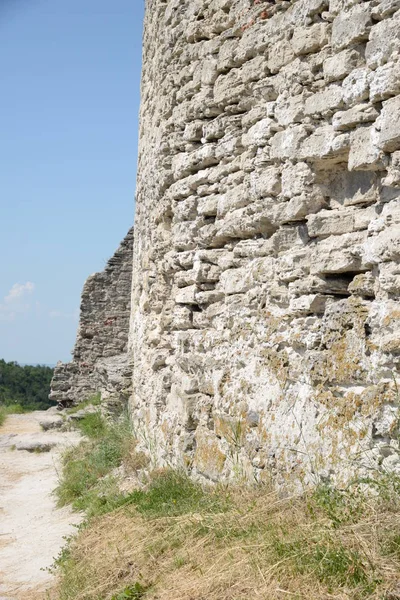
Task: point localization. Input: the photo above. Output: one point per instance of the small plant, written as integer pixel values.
(132, 592)
(93, 425)
(94, 400)
(86, 480)
(174, 493)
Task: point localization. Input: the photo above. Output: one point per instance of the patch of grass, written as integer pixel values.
(11, 409)
(235, 543)
(94, 400)
(93, 425)
(132, 592)
(173, 493)
(86, 482)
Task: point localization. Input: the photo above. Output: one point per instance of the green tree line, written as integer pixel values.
(28, 386)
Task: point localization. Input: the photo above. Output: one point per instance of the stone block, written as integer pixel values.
(265, 183)
(356, 86)
(359, 114)
(365, 155)
(352, 26)
(186, 295)
(338, 66)
(310, 39)
(384, 42)
(296, 178)
(385, 81)
(289, 109)
(389, 126)
(324, 102)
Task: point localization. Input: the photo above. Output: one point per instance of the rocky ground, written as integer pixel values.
(32, 528)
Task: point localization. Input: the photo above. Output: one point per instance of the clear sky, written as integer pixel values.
(69, 102)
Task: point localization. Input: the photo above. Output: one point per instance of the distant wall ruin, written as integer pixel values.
(99, 363)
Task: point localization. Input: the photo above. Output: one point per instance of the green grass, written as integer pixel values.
(173, 493)
(86, 482)
(12, 409)
(94, 400)
(132, 592)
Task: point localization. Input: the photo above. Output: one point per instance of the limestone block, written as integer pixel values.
(384, 42)
(208, 206)
(389, 125)
(352, 188)
(193, 131)
(389, 278)
(181, 318)
(235, 281)
(364, 152)
(210, 297)
(289, 109)
(385, 9)
(324, 145)
(351, 27)
(308, 305)
(286, 144)
(385, 81)
(184, 235)
(229, 89)
(337, 255)
(265, 183)
(348, 119)
(383, 247)
(337, 222)
(186, 210)
(393, 176)
(356, 86)
(209, 460)
(254, 69)
(338, 66)
(186, 295)
(295, 178)
(185, 278)
(299, 207)
(282, 55)
(363, 285)
(245, 223)
(310, 39)
(260, 133)
(325, 101)
(234, 198)
(295, 265)
(209, 72)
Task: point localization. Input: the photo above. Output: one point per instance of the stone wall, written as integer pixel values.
(99, 363)
(265, 326)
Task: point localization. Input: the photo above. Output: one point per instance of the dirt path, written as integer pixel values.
(31, 527)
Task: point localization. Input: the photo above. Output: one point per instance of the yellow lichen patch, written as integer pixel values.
(209, 458)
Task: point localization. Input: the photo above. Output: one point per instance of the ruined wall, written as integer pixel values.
(99, 362)
(265, 325)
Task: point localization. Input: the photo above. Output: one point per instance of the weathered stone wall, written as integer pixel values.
(265, 323)
(99, 363)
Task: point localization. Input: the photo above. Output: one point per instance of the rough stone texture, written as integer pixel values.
(99, 363)
(265, 328)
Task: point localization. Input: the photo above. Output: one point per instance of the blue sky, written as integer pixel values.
(70, 77)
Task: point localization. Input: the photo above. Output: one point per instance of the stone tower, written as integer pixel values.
(265, 325)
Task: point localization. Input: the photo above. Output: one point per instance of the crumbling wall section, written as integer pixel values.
(265, 322)
(99, 363)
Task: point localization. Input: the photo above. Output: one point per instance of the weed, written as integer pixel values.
(11, 409)
(174, 493)
(86, 480)
(93, 425)
(132, 592)
(94, 400)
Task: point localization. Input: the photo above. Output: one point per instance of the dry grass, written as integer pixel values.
(329, 545)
